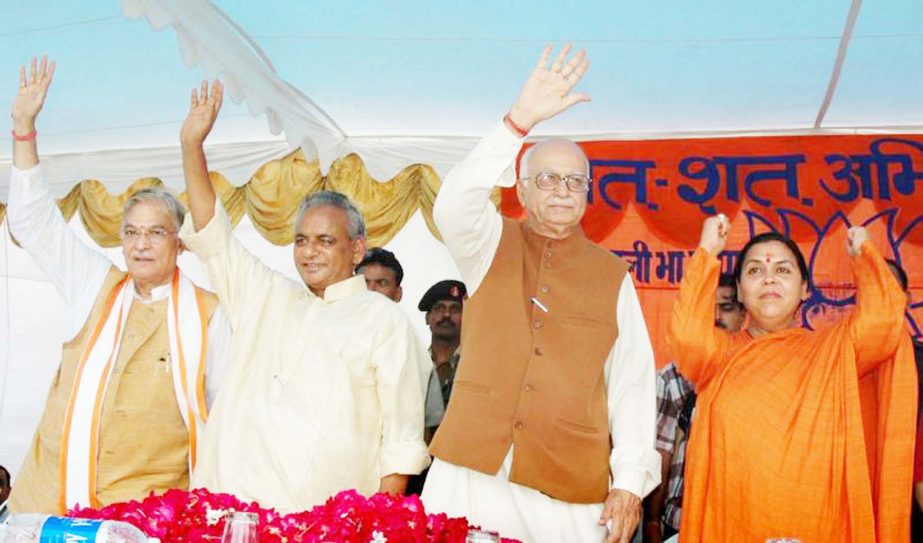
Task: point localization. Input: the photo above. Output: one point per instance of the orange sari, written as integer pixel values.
(798, 433)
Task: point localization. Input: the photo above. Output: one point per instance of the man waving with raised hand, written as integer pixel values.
(550, 432)
(126, 411)
(327, 379)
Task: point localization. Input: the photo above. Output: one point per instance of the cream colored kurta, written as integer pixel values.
(471, 228)
(322, 394)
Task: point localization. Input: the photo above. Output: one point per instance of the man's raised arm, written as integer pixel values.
(468, 222)
(238, 278)
(203, 110)
(76, 270)
(33, 88)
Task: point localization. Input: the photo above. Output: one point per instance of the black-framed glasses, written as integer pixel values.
(575, 182)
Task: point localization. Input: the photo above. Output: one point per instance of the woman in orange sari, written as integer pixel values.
(797, 433)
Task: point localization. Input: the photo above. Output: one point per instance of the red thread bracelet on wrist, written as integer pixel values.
(24, 137)
(520, 131)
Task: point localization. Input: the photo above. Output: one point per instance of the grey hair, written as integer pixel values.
(527, 156)
(170, 203)
(355, 223)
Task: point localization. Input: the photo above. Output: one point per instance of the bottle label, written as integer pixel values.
(69, 530)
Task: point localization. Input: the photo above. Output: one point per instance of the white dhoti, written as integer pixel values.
(496, 504)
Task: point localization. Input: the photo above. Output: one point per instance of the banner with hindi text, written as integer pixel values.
(648, 200)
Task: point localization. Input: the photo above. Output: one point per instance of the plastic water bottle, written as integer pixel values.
(241, 527)
(35, 528)
(482, 536)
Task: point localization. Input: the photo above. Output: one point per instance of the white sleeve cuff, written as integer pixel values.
(640, 477)
(503, 143)
(403, 458)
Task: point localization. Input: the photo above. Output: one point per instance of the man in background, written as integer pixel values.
(443, 304)
(383, 272)
(6, 483)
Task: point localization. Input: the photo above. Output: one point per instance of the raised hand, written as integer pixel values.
(203, 110)
(715, 232)
(548, 91)
(855, 237)
(32, 91)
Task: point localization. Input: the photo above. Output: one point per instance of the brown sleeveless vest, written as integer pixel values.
(143, 442)
(534, 379)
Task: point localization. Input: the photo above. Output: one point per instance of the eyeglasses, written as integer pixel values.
(575, 182)
(154, 235)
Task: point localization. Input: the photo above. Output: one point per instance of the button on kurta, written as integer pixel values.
(519, 425)
(537, 324)
(537, 351)
(544, 289)
(528, 388)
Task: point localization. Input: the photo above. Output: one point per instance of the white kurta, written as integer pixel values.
(471, 228)
(78, 272)
(322, 394)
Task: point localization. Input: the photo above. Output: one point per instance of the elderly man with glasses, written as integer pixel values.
(550, 432)
(126, 410)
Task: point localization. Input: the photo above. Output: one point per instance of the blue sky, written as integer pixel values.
(451, 68)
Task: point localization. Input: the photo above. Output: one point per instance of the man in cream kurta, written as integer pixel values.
(142, 447)
(472, 228)
(144, 440)
(325, 387)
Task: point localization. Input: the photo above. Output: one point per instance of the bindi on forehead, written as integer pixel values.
(769, 256)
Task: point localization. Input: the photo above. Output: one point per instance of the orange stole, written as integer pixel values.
(783, 444)
(141, 390)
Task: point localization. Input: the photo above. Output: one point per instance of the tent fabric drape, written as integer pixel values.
(208, 37)
(272, 196)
